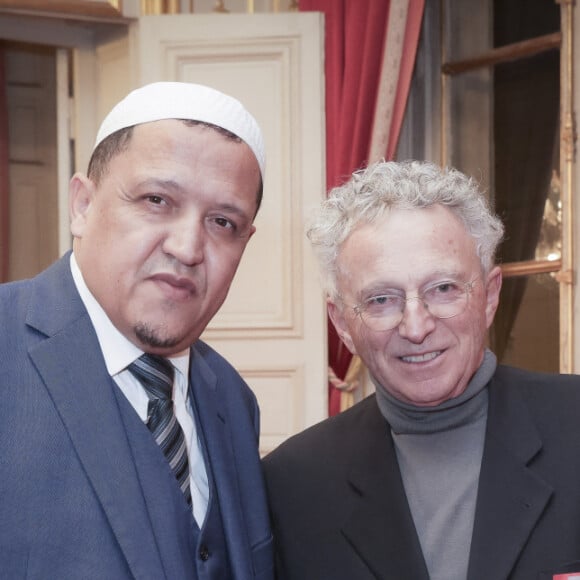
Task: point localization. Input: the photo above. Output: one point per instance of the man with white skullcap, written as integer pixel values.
(129, 446)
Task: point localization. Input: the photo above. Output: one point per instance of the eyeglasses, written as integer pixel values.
(444, 299)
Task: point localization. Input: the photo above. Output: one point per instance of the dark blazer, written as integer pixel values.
(340, 511)
(83, 493)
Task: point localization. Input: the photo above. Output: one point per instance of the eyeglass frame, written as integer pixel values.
(467, 290)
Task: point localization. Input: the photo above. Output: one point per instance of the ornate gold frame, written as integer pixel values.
(567, 152)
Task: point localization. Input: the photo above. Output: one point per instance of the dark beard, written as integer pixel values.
(149, 337)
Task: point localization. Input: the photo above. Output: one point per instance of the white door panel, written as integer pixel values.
(273, 324)
(31, 100)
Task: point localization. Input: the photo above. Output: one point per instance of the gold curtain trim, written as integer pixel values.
(157, 7)
(350, 384)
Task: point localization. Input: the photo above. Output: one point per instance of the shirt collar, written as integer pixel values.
(118, 351)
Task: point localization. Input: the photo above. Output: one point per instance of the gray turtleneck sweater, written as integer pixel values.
(439, 450)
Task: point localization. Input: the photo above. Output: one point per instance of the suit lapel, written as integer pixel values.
(380, 528)
(70, 363)
(511, 497)
(212, 415)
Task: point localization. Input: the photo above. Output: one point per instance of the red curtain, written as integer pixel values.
(4, 182)
(355, 42)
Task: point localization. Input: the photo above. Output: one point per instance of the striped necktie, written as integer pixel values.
(156, 374)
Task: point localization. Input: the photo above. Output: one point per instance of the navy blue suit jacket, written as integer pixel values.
(340, 511)
(78, 497)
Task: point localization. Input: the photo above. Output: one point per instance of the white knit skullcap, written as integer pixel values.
(177, 100)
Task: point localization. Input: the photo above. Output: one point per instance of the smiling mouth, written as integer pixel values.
(421, 358)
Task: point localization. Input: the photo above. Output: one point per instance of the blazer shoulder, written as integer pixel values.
(536, 384)
(14, 294)
(212, 358)
(552, 400)
(224, 371)
(215, 361)
(15, 298)
(360, 423)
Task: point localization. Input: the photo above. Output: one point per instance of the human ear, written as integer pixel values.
(492, 289)
(338, 317)
(81, 192)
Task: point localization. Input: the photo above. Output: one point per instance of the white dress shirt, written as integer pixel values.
(119, 353)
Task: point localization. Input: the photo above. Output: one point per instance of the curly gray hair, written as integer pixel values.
(373, 191)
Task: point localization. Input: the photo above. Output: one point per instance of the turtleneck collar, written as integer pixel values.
(467, 407)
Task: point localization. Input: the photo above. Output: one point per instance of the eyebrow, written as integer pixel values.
(231, 208)
(386, 286)
(173, 185)
(158, 182)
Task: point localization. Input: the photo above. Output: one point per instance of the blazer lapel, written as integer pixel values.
(70, 363)
(213, 418)
(511, 497)
(381, 528)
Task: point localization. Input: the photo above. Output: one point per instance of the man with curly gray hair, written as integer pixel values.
(457, 468)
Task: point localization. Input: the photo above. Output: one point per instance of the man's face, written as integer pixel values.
(424, 360)
(159, 240)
